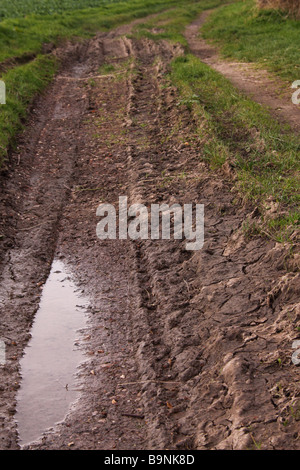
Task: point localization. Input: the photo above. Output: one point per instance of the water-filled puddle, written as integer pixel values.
(50, 362)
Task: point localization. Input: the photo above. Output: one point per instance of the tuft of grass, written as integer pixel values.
(282, 228)
(107, 69)
(119, 70)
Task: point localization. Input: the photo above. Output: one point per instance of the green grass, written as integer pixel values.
(22, 84)
(233, 128)
(266, 37)
(171, 27)
(17, 8)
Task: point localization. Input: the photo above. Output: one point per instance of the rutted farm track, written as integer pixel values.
(183, 346)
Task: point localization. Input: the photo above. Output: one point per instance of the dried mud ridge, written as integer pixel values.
(182, 347)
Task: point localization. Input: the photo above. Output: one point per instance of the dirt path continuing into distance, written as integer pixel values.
(258, 84)
(182, 347)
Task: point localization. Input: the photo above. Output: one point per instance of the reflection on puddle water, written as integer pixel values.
(49, 364)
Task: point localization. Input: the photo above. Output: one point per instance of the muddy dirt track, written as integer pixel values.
(182, 347)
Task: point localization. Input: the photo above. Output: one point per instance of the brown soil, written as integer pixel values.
(187, 342)
(259, 84)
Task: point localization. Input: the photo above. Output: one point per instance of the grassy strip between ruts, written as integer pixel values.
(267, 37)
(18, 8)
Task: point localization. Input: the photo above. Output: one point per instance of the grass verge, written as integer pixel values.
(267, 37)
(22, 84)
(233, 130)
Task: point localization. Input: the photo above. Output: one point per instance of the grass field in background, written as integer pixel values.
(18, 8)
